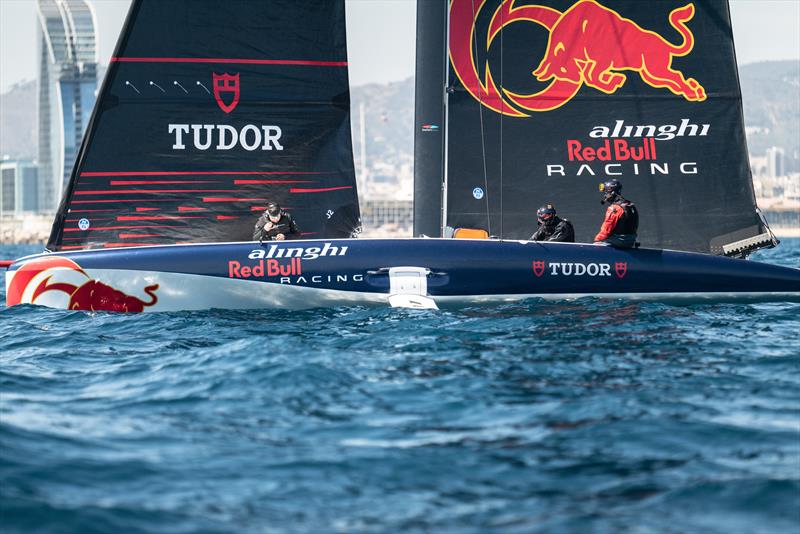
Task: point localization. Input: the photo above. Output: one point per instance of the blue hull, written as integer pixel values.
(231, 275)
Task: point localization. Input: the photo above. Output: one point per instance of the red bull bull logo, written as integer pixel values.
(35, 278)
(588, 45)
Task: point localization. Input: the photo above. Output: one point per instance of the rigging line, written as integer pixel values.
(502, 103)
(483, 139)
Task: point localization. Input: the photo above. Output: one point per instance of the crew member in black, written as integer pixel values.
(622, 218)
(552, 227)
(275, 225)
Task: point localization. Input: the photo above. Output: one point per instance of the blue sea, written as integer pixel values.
(552, 417)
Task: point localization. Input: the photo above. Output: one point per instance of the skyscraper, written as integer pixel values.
(775, 162)
(18, 187)
(67, 87)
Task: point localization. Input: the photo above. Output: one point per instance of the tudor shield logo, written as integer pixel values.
(621, 268)
(227, 85)
(538, 268)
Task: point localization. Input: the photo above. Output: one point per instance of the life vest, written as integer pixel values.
(628, 223)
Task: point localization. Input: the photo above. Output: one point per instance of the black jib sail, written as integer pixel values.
(209, 110)
(544, 99)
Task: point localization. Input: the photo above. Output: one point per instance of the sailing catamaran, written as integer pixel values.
(209, 110)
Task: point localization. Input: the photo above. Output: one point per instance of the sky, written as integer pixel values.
(381, 36)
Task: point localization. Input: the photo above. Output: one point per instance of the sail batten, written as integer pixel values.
(218, 108)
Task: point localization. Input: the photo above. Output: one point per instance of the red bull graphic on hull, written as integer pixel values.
(35, 278)
(589, 44)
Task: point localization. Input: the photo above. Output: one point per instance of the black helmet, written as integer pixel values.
(546, 214)
(274, 209)
(610, 189)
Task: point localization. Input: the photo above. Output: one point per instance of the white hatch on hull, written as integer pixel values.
(408, 288)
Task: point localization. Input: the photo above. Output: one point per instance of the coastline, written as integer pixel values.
(786, 232)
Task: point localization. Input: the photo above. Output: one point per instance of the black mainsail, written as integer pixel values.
(209, 110)
(543, 99)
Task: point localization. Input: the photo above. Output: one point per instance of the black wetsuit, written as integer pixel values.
(559, 230)
(285, 226)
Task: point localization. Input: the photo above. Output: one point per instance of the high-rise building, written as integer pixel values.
(18, 187)
(67, 90)
(775, 160)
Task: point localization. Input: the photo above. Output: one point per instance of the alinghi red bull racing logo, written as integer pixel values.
(589, 44)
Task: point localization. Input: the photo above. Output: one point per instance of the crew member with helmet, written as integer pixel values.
(275, 225)
(552, 227)
(622, 218)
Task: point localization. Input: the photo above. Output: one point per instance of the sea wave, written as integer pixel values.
(574, 416)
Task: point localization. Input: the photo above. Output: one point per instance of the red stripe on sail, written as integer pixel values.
(321, 190)
(136, 236)
(128, 200)
(92, 211)
(197, 173)
(158, 182)
(106, 228)
(229, 199)
(191, 208)
(156, 217)
(243, 182)
(147, 209)
(93, 220)
(240, 61)
(262, 208)
(226, 217)
(151, 191)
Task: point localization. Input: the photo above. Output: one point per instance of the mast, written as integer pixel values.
(429, 121)
(446, 99)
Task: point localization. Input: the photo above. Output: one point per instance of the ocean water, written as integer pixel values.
(582, 416)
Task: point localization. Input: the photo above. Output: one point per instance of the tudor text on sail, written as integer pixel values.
(225, 137)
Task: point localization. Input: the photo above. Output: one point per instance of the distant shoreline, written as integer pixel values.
(786, 232)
